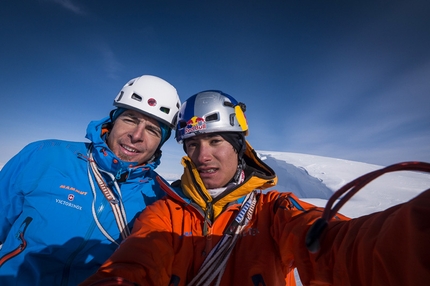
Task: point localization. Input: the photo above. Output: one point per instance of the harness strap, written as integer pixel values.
(214, 265)
(117, 209)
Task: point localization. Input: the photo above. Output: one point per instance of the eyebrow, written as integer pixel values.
(149, 123)
(128, 114)
(153, 127)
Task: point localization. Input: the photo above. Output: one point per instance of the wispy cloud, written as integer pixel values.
(69, 5)
(111, 64)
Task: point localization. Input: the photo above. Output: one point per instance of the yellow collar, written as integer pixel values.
(193, 187)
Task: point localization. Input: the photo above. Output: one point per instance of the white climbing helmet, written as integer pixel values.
(151, 96)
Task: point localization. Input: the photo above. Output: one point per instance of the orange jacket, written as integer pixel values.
(384, 248)
(171, 239)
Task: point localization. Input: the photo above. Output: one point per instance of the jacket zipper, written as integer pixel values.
(22, 245)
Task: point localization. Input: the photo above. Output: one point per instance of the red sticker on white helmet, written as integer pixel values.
(152, 102)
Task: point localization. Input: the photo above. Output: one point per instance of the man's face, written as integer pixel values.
(134, 137)
(214, 157)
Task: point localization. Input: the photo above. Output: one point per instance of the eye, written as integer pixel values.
(216, 140)
(191, 145)
(129, 120)
(154, 130)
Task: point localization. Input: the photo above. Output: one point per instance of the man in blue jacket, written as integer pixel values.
(66, 206)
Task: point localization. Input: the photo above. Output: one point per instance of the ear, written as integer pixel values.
(111, 113)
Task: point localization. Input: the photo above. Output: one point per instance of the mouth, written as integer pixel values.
(129, 149)
(207, 171)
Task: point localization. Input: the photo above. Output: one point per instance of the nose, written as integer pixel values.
(137, 134)
(204, 153)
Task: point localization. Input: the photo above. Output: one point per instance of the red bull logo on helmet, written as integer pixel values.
(195, 124)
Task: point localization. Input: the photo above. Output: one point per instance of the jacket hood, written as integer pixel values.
(258, 175)
(105, 158)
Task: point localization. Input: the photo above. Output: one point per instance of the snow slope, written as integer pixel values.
(315, 178)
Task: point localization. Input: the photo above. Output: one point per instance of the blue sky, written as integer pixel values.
(343, 79)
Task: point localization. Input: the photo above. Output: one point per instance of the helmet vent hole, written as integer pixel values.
(136, 97)
(120, 96)
(165, 110)
(212, 117)
(232, 119)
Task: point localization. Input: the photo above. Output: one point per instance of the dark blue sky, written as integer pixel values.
(344, 79)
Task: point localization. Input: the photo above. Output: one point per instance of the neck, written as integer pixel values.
(240, 178)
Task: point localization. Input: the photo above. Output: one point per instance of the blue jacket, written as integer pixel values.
(51, 216)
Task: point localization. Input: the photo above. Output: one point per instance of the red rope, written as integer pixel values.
(350, 190)
(354, 186)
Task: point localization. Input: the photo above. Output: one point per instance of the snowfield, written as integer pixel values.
(315, 178)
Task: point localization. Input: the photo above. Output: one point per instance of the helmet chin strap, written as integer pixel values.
(241, 162)
(156, 155)
(240, 167)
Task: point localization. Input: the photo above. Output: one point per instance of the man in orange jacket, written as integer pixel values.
(216, 227)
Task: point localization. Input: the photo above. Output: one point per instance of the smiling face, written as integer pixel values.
(214, 157)
(134, 137)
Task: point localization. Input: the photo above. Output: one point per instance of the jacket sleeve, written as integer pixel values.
(290, 221)
(384, 248)
(12, 177)
(146, 256)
